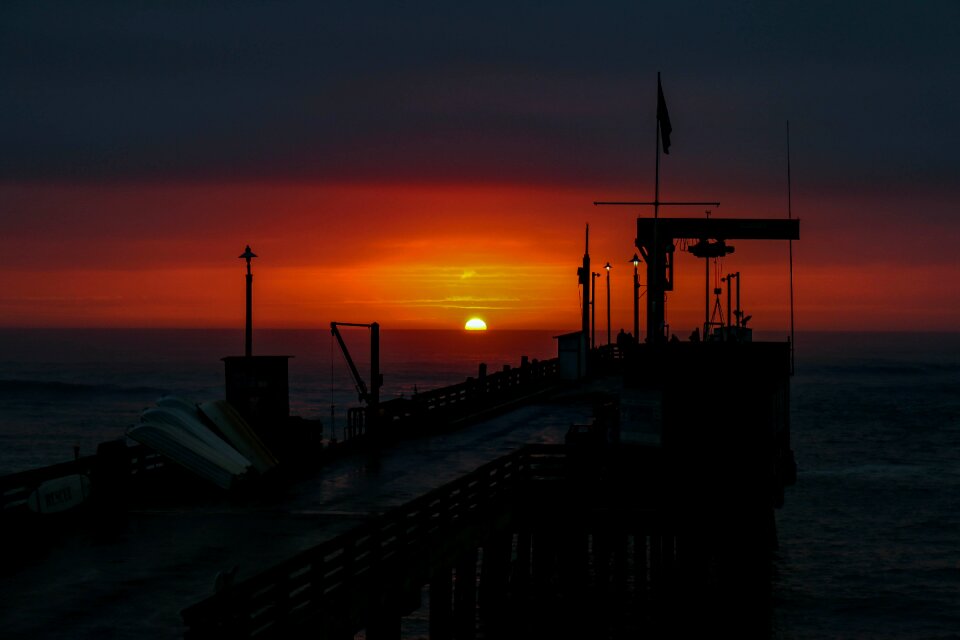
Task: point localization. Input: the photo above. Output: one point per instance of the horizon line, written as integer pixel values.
(495, 330)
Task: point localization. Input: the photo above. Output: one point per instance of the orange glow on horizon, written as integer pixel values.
(407, 256)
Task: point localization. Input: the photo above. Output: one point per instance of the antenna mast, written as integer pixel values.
(585, 279)
(793, 340)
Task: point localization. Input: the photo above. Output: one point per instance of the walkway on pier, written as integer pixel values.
(131, 576)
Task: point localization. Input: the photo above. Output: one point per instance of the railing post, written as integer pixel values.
(441, 604)
(465, 595)
(282, 603)
(385, 625)
(494, 583)
(520, 575)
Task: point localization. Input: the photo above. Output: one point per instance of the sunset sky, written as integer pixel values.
(418, 164)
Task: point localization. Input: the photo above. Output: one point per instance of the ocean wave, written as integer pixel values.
(880, 368)
(57, 387)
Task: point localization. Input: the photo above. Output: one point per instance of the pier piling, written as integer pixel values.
(518, 548)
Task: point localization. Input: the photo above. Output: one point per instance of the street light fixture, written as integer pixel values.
(608, 266)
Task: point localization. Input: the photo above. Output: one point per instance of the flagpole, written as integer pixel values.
(793, 337)
(657, 299)
(653, 253)
(656, 180)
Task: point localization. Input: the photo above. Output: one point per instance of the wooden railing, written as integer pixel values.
(578, 527)
(474, 396)
(17, 487)
(511, 381)
(390, 554)
(401, 417)
(534, 516)
(130, 462)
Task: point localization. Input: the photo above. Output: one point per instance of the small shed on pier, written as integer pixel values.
(572, 353)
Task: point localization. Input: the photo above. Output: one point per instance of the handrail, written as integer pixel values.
(340, 569)
(15, 488)
(448, 403)
(501, 385)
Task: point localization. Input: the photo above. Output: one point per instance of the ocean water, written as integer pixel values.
(61, 389)
(869, 535)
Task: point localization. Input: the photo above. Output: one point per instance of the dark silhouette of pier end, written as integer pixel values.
(617, 530)
(577, 540)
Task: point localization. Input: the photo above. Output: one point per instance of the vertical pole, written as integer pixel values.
(494, 584)
(790, 217)
(656, 182)
(652, 293)
(593, 308)
(248, 338)
(465, 596)
(441, 604)
(706, 296)
(374, 402)
(739, 312)
(384, 626)
(522, 564)
(583, 362)
(585, 279)
(656, 294)
(608, 305)
(636, 304)
(729, 275)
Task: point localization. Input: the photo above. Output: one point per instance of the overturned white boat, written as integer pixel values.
(175, 430)
(235, 430)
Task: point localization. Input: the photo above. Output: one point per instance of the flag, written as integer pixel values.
(663, 118)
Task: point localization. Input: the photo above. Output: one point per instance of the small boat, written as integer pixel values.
(182, 413)
(59, 494)
(235, 430)
(187, 450)
(176, 430)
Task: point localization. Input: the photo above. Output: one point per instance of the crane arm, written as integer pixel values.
(357, 379)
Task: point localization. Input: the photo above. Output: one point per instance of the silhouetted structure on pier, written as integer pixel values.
(595, 537)
(551, 541)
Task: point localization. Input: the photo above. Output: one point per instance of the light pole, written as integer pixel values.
(593, 308)
(636, 299)
(608, 266)
(248, 337)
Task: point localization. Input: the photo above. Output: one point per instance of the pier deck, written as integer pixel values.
(130, 576)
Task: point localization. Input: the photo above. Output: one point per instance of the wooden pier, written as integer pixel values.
(117, 470)
(593, 537)
(597, 537)
(577, 540)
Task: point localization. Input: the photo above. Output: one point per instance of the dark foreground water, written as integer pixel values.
(870, 534)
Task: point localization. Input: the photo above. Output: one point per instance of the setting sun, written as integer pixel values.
(475, 324)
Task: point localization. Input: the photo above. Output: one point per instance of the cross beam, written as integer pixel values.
(718, 229)
(656, 241)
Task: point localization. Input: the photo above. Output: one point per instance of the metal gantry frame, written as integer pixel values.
(656, 240)
(370, 395)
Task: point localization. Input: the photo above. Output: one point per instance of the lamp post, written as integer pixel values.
(248, 337)
(608, 266)
(636, 299)
(593, 308)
